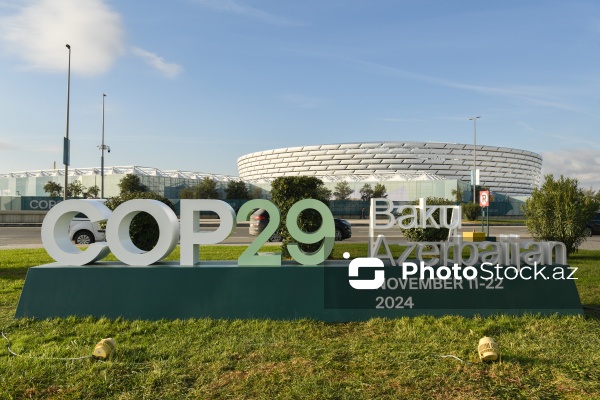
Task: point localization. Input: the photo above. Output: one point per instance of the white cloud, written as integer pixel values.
(170, 70)
(583, 164)
(39, 31)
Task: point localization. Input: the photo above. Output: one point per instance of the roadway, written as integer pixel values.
(24, 237)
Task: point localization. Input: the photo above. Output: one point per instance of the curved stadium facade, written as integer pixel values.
(504, 170)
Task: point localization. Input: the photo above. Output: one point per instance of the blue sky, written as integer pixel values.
(195, 84)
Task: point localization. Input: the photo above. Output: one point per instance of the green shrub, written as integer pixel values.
(429, 234)
(471, 211)
(287, 191)
(559, 211)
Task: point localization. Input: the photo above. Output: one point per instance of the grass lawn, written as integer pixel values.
(542, 357)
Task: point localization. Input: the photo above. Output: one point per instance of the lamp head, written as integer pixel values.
(68, 46)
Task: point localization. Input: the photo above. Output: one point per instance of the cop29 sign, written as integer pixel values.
(336, 292)
(55, 235)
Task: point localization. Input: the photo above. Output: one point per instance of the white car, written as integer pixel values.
(82, 231)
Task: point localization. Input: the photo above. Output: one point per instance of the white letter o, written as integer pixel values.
(119, 241)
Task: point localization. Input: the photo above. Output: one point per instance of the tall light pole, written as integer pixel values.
(474, 119)
(66, 144)
(102, 147)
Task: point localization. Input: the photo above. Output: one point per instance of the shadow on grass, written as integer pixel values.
(582, 256)
(592, 310)
(13, 273)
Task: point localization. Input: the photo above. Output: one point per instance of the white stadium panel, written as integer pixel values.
(300, 153)
(454, 146)
(466, 152)
(350, 146)
(301, 169)
(308, 163)
(438, 151)
(306, 158)
(349, 162)
(310, 148)
(335, 152)
(330, 146)
(337, 167)
(289, 159)
(364, 156)
(355, 151)
(400, 150)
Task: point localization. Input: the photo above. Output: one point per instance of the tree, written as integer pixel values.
(471, 211)
(458, 194)
(559, 211)
(205, 189)
(287, 191)
(342, 191)
(366, 192)
(186, 193)
(324, 193)
(144, 229)
(53, 189)
(75, 189)
(237, 190)
(429, 234)
(131, 184)
(380, 191)
(256, 193)
(94, 191)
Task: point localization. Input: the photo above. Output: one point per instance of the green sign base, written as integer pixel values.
(221, 290)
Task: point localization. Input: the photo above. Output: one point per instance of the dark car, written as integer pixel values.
(593, 226)
(260, 219)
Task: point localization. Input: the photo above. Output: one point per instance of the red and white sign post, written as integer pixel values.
(484, 198)
(484, 201)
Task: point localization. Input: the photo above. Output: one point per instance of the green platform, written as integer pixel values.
(220, 290)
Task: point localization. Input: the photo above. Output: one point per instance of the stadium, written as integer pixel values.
(506, 171)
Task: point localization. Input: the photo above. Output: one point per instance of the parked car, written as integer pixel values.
(260, 219)
(593, 226)
(83, 231)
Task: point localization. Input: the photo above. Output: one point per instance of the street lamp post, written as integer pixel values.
(102, 147)
(66, 144)
(474, 119)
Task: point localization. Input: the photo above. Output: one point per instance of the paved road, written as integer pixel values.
(23, 237)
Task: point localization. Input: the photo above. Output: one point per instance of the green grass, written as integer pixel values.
(542, 357)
